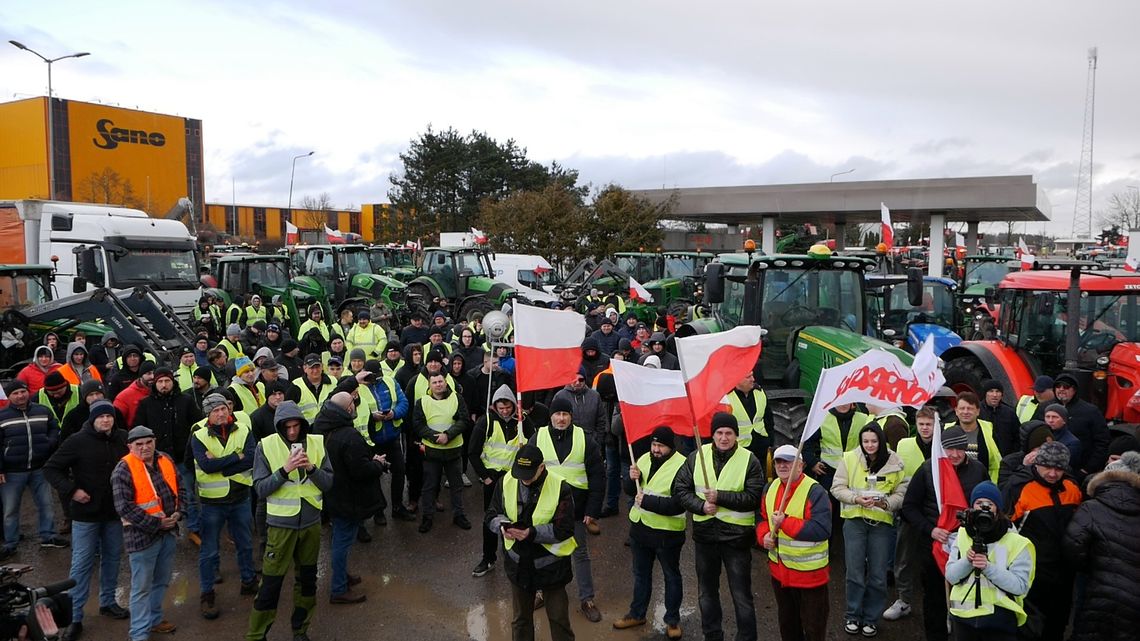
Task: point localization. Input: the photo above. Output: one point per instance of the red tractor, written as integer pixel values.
(1034, 336)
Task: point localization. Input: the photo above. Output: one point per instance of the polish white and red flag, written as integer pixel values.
(712, 364)
(637, 291)
(292, 235)
(1132, 263)
(548, 347)
(333, 236)
(959, 241)
(479, 236)
(1027, 259)
(948, 492)
(888, 231)
(650, 397)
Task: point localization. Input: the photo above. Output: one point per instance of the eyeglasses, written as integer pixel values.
(1062, 386)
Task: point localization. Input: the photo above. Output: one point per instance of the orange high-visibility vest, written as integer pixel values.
(146, 497)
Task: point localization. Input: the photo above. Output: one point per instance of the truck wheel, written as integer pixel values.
(789, 418)
(966, 374)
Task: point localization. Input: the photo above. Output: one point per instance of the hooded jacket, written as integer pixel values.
(266, 481)
(124, 376)
(33, 375)
(85, 461)
(408, 370)
(509, 426)
(355, 492)
(589, 414)
(596, 365)
(101, 355)
(83, 374)
(1086, 422)
(282, 371)
(1101, 540)
(171, 417)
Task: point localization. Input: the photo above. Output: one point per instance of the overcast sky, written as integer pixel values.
(644, 93)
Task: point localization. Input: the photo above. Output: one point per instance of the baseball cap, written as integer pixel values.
(526, 463)
(785, 453)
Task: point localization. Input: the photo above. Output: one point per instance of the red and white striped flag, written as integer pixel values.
(948, 492)
(650, 397)
(959, 241)
(888, 231)
(292, 235)
(712, 364)
(548, 346)
(637, 291)
(479, 236)
(1131, 263)
(1027, 259)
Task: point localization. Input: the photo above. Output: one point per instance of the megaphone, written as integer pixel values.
(495, 325)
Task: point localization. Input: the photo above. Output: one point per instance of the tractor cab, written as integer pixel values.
(341, 275)
(396, 261)
(25, 285)
(677, 288)
(907, 325)
(463, 276)
(643, 266)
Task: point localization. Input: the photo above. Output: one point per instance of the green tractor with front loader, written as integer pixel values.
(341, 277)
(463, 277)
(813, 309)
(396, 261)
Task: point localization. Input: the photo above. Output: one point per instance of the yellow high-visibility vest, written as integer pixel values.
(286, 501)
(858, 482)
(730, 479)
(498, 453)
(748, 426)
(573, 469)
(217, 485)
(802, 556)
(660, 484)
(963, 595)
(830, 449)
(440, 415)
(543, 511)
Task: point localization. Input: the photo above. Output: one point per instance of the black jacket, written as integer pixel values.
(355, 492)
(1005, 424)
(666, 505)
(85, 461)
(1086, 422)
(920, 505)
(459, 423)
(170, 417)
(262, 423)
(1101, 540)
(520, 561)
(746, 500)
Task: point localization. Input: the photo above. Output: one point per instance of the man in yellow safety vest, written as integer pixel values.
(439, 420)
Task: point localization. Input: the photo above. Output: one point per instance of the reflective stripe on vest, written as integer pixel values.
(749, 425)
(1026, 408)
(309, 404)
(660, 484)
(249, 402)
(440, 416)
(253, 315)
(390, 371)
(286, 501)
(422, 386)
(308, 325)
(858, 482)
(364, 408)
(217, 485)
(802, 556)
(543, 511)
(146, 497)
(993, 454)
(964, 596)
(498, 454)
(573, 469)
(911, 455)
(830, 449)
(731, 479)
(72, 402)
(371, 339)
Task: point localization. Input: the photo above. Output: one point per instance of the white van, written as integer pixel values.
(530, 275)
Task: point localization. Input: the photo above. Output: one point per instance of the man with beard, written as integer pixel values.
(128, 400)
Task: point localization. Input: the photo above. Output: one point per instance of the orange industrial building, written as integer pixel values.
(144, 160)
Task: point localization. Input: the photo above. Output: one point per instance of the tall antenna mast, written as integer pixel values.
(1082, 210)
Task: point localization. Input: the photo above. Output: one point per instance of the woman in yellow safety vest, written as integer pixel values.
(990, 571)
(869, 484)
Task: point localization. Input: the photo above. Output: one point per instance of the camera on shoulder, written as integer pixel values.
(18, 603)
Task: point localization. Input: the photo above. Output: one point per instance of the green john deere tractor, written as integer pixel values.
(678, 288)
(462, 275)
(813, 308)
(393, 260)
(340, 276)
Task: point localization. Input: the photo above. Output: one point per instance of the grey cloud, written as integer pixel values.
(934, 147)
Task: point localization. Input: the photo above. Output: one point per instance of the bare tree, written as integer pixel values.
(1123, 210)
(107, 187)
(314, 211)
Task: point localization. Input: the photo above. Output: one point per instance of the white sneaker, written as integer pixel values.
(898, 610)
(466, 481)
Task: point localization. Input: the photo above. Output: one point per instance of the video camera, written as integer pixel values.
(980, 524)
(18, 603)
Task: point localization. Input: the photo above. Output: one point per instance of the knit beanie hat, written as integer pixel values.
(724, 419)
(1058, 409)
(55, 381)
(1123, 443)
(203, 373)
(986, 490)
(954, 438)
(664, 436)
(561, 404)
(233, 330)
(99, 408)
(212, 402)
(1053, 454)
(356, 353)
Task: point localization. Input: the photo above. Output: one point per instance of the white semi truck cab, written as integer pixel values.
(95, 246)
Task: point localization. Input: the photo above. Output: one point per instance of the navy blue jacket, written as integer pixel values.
(28, 437)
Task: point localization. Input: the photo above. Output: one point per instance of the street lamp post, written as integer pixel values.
(293, 171)
(50, 118)
(840, 173)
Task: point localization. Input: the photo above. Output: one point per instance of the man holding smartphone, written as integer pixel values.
(291, 471)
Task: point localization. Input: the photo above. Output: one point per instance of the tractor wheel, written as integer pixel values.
(418, 292)
(789, 418)
(966, 374)
(475, 304)
(679, 309)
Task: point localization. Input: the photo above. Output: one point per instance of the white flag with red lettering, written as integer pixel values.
(548, 346)
(877, 377)
(712, 364)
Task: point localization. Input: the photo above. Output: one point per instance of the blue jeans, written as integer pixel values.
(343, 535)
(868, 547)
(240, 520)
(613, 478)
(193, 507)
(150, 575)
(737, 562)
(88, 540)
(12, 491)
(580, 558)
(670, 559)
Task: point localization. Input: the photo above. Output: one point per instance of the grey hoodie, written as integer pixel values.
(504, 393)
(282, 372)
(84, 373)
(268, 481)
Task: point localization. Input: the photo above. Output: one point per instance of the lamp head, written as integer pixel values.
(495, 324)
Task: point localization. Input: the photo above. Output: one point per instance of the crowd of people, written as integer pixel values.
(269, 435)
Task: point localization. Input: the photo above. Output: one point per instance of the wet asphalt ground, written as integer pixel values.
(419, 586)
